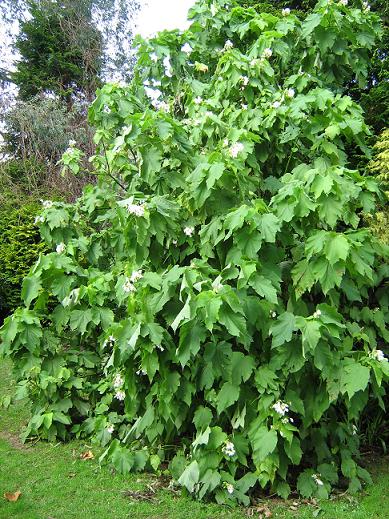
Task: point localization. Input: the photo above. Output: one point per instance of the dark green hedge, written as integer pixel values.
(20, 246)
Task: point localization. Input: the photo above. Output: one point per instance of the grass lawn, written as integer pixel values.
(56, 484)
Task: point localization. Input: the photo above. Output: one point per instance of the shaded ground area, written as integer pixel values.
(57, 484)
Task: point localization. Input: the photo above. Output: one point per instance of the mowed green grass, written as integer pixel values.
(56, 484)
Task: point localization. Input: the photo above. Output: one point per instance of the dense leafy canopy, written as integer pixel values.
(215, 301)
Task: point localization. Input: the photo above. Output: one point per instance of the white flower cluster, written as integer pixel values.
(285, 12)
(228, 45)
(118, 383)
(136, 209)
(72, 143)
(120, 395)
(235, 149)
(287, 419)
(189, 231)
(60, 248)
(317, 480)
(230, 488)
(267, 53)
(198, 100)
(378, 355)
(290, 93)
(229, 449)
(366, 6)
(245, 80)
(273, 314)
(343, 2)
(317, 314)
(244, 106)
(39, 219)
(186, 48)
(281, 408)
(47, 204)
(129, 283)
(276, 104)
(161, 105)
(110, 428)
(154, 57)
(109, 342)
(141, 372)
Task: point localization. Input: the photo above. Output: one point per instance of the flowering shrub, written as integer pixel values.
(214, 302)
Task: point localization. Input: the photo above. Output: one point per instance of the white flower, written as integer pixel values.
(229, 449)
(140, 372)
(120, 395)
(60, 248)
(235, 149)
(47, 204)
(174, 242)
(281, 408)
(355, 430)
(160, 348)
(267, 53)
(343, 2)
(154, 57)
(161, 105)
(208, 113)
(72, 143)
(290, 93)
(110, 428)
(317, 314)
(286, 11)
(188, 231)
(245, 80)
(230, 488)
(276, 104)
(273, 314)
(228, 45)
(255, 62)
(244, 106)
(135, 209)
(378, 355)
(136, 276)
(198, 100)
(118, 381)
(128, 286)
(366, 6)
(107, 110)
(225, 142)
(186, 48)
(156, 83)
(317, 480)
(39, 219)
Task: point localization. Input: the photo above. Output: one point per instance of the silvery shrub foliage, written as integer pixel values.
(213, 306)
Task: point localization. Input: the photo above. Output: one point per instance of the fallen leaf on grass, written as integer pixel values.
(262, 511)
(88, 455)
(147, 495)
(12, 496)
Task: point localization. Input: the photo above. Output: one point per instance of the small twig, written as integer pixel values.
(109, 170)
